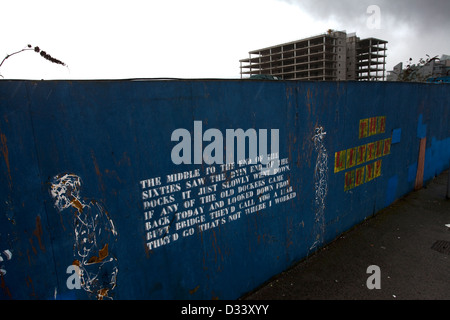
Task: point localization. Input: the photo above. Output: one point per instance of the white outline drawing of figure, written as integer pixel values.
(320, 185)
(94, 236)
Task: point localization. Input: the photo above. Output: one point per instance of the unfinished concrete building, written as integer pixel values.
(330, 56)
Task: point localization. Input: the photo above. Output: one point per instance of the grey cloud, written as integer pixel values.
(426, 14)
(412, 27)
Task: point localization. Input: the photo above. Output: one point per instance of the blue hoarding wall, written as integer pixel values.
(114, 189)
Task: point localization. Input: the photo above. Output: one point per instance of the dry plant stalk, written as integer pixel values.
(43, 54)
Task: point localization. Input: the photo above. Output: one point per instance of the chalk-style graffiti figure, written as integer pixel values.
(320, 186)
(94, 236)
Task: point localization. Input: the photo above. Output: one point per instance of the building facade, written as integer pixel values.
(330, 56)
(432, 68)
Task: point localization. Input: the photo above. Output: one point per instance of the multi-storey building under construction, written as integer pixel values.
(330, 56)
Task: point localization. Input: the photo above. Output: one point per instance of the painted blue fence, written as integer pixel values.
(93, 205)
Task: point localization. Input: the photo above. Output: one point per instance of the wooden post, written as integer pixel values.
(420, 164)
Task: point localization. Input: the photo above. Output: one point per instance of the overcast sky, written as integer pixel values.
(112, 39)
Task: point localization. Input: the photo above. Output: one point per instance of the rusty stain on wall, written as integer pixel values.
(30, 284)
(5, 287)
(97, 171)
(194, 290)
(5, 152)
(38, 233)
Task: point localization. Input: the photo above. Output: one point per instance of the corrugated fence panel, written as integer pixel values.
(95, 205)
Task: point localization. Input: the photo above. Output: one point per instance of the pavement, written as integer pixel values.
(408, 241)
